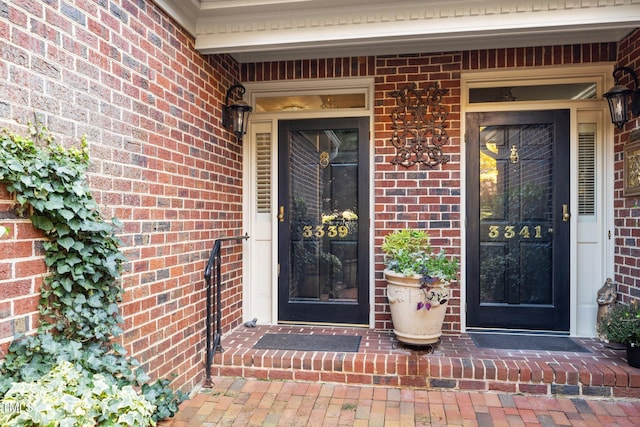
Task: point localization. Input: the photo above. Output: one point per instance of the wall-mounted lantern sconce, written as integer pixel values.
(236, 114)
(619, 98)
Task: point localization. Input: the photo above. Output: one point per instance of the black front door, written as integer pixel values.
(518, 220)
(323, 202)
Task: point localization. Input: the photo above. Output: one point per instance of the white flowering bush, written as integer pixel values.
(66, 397)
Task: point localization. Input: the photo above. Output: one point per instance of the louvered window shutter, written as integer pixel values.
(263, 172)
(587, 170)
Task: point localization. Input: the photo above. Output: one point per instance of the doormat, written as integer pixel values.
(308, 342)
(526, 342)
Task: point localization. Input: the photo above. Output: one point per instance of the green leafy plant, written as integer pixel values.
(79, 313)
(68, 396)
(621, 324)
(80, 296)
(165, 399)
(408, 252)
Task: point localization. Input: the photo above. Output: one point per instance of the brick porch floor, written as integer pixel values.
(456, 364)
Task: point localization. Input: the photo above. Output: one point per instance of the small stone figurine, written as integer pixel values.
(251, 323)
(607, 296)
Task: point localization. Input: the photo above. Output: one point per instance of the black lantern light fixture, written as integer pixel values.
(236, 114)
(619, 98)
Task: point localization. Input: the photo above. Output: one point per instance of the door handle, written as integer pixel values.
(281, 214)
(565, 213)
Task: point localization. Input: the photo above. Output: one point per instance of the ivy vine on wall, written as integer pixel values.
(79, 313)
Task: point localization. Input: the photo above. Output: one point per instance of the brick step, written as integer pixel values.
(456, 364)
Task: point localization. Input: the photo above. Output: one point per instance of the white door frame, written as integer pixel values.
(260, 254)
(582, 308)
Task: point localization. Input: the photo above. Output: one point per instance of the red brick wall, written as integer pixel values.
(126, 76)
(21, 272)
(627, 209)
(538, 56)
(418, 196)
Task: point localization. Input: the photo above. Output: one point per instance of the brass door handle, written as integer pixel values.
(281, 214)
(565, 213)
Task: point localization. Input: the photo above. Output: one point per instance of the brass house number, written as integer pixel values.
(320, 231)
(511, 231)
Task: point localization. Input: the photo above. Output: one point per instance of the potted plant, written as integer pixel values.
(622, 325)
(417, 286)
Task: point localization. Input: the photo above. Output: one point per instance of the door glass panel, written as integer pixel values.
(516, 214)
(323, 195)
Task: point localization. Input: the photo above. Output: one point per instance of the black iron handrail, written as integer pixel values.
(214, 345)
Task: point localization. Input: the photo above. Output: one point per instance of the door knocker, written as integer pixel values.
(324, 159)
(514, 157)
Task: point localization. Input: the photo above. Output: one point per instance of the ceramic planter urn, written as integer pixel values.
(411, 325)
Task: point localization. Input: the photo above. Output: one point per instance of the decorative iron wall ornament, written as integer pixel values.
(419, 126)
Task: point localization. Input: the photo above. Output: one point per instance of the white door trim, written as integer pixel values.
(591, 109)
(256, 293)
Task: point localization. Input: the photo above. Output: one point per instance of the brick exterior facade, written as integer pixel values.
(126, 76)
(129, 78)
(421, 197)
(626, 209)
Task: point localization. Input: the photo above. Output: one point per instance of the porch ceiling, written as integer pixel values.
(270, 30)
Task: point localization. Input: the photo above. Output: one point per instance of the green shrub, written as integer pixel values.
(66, 396)
(621, 324)
(79, 313)
(408, 252)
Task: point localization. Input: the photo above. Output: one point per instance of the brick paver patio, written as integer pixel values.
(385, 384)
(254, 402)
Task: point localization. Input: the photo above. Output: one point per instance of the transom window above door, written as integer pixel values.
(310, 102)
(540, 92)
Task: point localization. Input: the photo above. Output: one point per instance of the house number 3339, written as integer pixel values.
(324, 230)
(510, 231)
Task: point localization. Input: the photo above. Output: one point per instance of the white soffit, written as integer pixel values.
(270, 30)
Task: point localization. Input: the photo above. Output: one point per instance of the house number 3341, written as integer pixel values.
(510, 231)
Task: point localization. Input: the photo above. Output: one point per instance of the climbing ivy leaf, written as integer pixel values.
(42, 222)
(66, 242)
(66, 214)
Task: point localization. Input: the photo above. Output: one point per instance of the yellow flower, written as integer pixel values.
(349, 215)
(328, 218)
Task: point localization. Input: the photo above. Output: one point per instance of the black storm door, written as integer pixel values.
(323, 221)
(518, 220)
